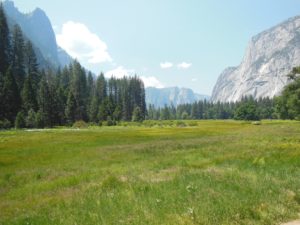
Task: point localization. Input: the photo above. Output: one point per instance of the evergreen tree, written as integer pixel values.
(137, 115)
(30, 119)
(20, 120)
(28, 96)
(79, 90)
(70, 109)
(5, 47)
(288, 104)
(11, 99)
(44, 102)
(31, 65)
(18, 56)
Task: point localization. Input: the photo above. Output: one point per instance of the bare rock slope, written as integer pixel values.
(270, 56)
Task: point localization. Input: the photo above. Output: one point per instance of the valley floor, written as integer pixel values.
(214, 172)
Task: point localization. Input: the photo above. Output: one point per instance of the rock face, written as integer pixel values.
(159, 97)
(270, 56)
(37, 27)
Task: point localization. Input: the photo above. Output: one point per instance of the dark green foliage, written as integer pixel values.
(288, 104)
(247, 110)
(30, 120)
(20, 120)
(5, 47)
(28, 95)
(11, 101)
(31, 65)
(5, 124)
(44, 101)
(71, 108)
(137, 115)
(18, 56)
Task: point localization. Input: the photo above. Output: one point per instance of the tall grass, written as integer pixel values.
(207, 172)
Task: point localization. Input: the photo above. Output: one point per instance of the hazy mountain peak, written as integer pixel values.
(37, 27)
(159, 97)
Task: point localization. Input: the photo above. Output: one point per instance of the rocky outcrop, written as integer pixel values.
(159, 97)
(37, 27)
(270, 56)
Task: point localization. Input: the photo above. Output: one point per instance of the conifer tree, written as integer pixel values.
(31, 65)
(70, 109)
(44, 101)
(18, 56)
(28, 96)
(11, 99)
(5, 47)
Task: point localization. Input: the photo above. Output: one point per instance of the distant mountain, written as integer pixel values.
(159, 97)
(37, 27)
(270, 56)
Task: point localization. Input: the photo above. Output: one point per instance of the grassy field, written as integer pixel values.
(218, 172)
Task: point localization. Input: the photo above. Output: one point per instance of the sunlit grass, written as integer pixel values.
(218, 172)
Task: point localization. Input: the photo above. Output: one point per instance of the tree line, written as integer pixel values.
(246, 109)
(31, 97)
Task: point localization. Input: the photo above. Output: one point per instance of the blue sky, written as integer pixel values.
(185, 43)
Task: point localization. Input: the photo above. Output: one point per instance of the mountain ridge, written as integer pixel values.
(159, 97)
(269, 57)
(36, 26)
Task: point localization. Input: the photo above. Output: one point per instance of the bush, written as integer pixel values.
(39, 122)
(110, 122)
(192, 124)
(80, 124)
(180, 123)
(5, 124)
(20, 120)
(31, 119)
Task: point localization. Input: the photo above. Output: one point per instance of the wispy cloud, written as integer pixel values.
(194, 79)
(166, 65)
(82, 44)
(184, 65)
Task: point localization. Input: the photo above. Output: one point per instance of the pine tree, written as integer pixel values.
(44, 102)
(20, 120)
(28, 96)
(79, 90)
(70, 109)
(31, 65)
(101, 88)
(5, 47)
(11, 99)
(137, 115)
(18, 56)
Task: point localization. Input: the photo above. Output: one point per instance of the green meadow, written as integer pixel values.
(208, 172)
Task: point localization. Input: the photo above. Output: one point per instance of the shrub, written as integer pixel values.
(192, 124)
(31, 119)
(80, 124)
(180, 123)
(20, 120)
(5, 124)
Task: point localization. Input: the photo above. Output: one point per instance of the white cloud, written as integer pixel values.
(166, 65)
(184, 65)
(119, 72)
(194, 79)
(151, 82)
(82, 44)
